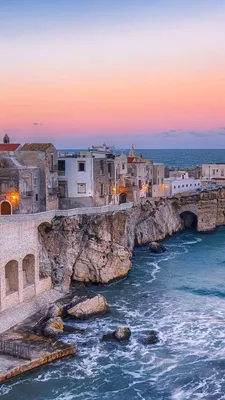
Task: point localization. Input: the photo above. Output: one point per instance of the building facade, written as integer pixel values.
(180, 182)
(86, 179)
(137, 177)
(28, 178)
(213, 173)
(44, 157)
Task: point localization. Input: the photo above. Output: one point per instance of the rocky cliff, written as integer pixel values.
(98, 248)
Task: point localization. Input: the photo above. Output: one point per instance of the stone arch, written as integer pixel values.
(122, 198)
(11, 277)
(28, 270)
(189, 219)
(44, 262)
(5, 208)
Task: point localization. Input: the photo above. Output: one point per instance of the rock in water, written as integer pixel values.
(123, 333)
(157, 248)
(152, 337)
(120, 334)
(89, 307)
(53, 327)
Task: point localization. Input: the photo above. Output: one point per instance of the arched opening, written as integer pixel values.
(122, 198)
(189, 220)
(11, 277)
(28, 270)
(5, 208)
(45, 270)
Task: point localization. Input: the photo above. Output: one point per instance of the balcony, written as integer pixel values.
(26, 193)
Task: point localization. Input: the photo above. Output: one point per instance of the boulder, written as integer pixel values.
(89, 307)
(151, 337)
(123, 333)
(53, 327)
(157, 248)
(120, 334)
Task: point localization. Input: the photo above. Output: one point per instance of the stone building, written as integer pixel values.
(137, 177)
(44, 157)
(86, 179)
(28, 180)
(213, 174)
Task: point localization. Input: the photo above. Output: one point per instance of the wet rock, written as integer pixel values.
(122, 333)
(89, 307)
(70, 329)
(151, 337)
(53, 327)
(157, 248)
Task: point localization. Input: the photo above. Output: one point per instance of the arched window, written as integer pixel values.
(28, 270)
(11, 277)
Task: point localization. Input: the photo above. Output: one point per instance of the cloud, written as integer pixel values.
(223, 127)
(197, 134)
(173, 130)
(37, 123)
(168, 134)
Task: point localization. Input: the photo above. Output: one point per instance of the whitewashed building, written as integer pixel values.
(179, 182)
(86, 179)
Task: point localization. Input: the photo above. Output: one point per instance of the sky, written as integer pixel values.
(144, 72)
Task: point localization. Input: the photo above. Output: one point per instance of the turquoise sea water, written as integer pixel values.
(181, 294)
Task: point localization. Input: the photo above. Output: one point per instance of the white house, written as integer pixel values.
(180, 183)
(86, 179)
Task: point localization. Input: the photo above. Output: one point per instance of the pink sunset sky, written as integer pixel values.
(142, 72)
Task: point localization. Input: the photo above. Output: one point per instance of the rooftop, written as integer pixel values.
(9, 146)
(36, 146)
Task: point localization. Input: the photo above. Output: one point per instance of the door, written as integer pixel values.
(6, 208)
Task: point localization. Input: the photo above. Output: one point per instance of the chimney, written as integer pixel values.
(6, 139)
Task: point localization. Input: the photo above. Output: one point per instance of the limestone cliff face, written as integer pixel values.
(98, 248)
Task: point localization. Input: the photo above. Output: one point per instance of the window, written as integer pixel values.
(186, 185)
(101, 167)
(52, 162)
(61, 167)
(195, 184)
(36, 197)
(81, 167)
(182, 185)
(4, 187)
(190, 184)
(109, 169)
(35, 181)
(222, 172)
(214, 171)
(81, 187)
(102, 189)
(174, 187)
(123, 166)
(178, 186)
(161, 180)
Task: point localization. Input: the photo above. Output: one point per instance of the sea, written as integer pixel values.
(180, 294)
(176, 157)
